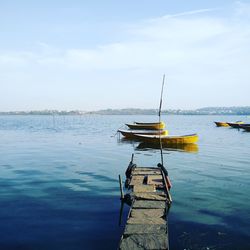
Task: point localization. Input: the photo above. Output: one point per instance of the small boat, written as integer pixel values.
(130, 133)
(246, 127)
(226, 124)
(168, 139)
(148, 123)
(151, 126)
(221, 124)
(235, 124)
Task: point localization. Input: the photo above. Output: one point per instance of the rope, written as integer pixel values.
(117, 131)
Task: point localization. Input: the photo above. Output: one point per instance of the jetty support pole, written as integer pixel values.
(166, 186)
(121, 189)
(132, 158)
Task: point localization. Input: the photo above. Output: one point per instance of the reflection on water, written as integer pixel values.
(146, 146)
(191, 148)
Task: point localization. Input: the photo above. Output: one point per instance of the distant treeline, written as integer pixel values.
(43, 112)
(135, 111)
(201, 111)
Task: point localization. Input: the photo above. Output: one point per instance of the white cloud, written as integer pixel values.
(202, 54)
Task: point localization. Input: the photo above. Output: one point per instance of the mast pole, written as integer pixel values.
(159, 114)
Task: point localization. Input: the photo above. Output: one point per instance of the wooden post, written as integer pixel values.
(132, 158)
(121, 189)
(166, 186)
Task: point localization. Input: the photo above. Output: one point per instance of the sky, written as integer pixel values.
(91, 55)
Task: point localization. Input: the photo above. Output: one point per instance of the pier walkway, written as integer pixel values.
(149, 197)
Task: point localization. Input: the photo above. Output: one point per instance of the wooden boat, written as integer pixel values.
(246, 127)
(130, 133)
(168, 139)
(226, 124)
(148, 123)
(151, 126)
(235, 124)
(221, 124)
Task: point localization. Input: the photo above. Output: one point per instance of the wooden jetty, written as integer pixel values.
(149, 198)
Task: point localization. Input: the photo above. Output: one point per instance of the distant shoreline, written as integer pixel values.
(134, 111)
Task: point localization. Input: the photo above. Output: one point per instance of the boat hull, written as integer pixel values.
(167, 139)
(221, 124)
(227, 124)
(147, 126)
(245, 127)
(130, 134)
(148, 123)
(235, 124)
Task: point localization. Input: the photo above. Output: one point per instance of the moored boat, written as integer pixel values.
(168, 139)
(130, 133)
(150, 126)
(148, 123)
(235, 124)
(226, 124)
(221, 124)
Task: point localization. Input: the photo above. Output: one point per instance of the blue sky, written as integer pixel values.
(91, 55)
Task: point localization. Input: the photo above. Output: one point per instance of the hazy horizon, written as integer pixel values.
(125, 108)
(96, 55)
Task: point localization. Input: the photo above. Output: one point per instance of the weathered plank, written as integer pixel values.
(144, 168)
(141, 213)
(136, 180)
(149, 204)
(150, 196)
(144, 188)
(155, 180)
(146, 221)
(149, 229)
(147, 172)
(145, 241)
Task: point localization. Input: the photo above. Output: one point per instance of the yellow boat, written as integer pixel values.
(221, 124)
(130, 133)
(146, 126)
(226, 124)
(168, 139)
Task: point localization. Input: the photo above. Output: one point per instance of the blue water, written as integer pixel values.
(59, 182)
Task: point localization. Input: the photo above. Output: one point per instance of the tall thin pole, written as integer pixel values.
(163, 82)
(121, 189)
(162, 87)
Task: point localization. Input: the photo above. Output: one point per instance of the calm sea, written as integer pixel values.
(59, 182)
